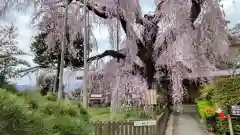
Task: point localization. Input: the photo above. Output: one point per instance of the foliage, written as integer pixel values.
(227, 92)
(202, 108)
(46, 83)
(10, 87)
(194, 41)
(8, 46)
(77, 93)
(105, 114)
(9, 68)
(206, 92)
(32, 114)
(222, 126)
(39, 49)
(51, 96)
(179, 50)
(50, 57)
(210, 111)
(222, 93)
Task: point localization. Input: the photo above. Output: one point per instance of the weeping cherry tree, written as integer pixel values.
(180, 39)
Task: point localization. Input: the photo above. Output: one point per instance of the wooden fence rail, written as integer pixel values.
(122, 128)
(152, 127)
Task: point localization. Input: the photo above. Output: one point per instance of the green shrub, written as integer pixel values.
(29, 113)
(202, 105)
(51, 96)
(10, 87)
(207, 92)
(222, 93)
(227, 92)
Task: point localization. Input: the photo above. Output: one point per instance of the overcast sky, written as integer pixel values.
(22, 21)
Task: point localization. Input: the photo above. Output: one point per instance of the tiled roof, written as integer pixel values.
(227, 72)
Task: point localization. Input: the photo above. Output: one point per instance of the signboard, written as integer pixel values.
(151, 95)
(145, 123)
(96, 96)
(235, 110)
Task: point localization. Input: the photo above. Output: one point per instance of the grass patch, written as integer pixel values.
(28, 113)
(104, 114)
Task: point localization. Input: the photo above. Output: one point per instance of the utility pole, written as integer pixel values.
(88, 36)
(118, 40)
(117, 50)
(85, 90)
(37, 77)
(60, 91)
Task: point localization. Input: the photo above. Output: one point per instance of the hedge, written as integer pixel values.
(222, 93)
(28, 113)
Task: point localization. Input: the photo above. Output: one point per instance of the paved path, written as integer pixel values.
(188, 124)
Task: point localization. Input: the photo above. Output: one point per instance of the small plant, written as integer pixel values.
(51, 96)
(210, 111)
(202, 105)
(222, 92)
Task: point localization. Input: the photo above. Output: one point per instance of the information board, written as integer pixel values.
(235, 110)
(145, 123)
(151, 97)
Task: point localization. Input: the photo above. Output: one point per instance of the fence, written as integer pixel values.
(151, 127)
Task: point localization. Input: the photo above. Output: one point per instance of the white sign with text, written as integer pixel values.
(145, 123)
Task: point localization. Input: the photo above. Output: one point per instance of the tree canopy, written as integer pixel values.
(180, 39)
(50, 57)
(9, 65)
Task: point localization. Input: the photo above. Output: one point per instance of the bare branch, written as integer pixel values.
(32, 69)
(112, 53)
(103, 13)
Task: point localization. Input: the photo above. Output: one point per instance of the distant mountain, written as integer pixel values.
(69, 78)
(72, 85)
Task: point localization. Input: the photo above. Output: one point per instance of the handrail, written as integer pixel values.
(162, 120)
(163, 111)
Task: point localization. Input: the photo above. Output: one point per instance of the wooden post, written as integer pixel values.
(230, 125)
(64, 42)
(85, 50)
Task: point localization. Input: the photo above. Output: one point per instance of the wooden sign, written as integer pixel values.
(235, 110)
(151, 97)
(145, 123)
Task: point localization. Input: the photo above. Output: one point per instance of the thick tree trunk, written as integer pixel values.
(56, 80)
(3, 74)
(146, 45)
(2, 79)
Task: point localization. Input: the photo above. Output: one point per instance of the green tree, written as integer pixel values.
(46, 56)
(9, 63)
(9, 68)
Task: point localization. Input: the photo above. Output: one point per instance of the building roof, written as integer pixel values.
(227, 72)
